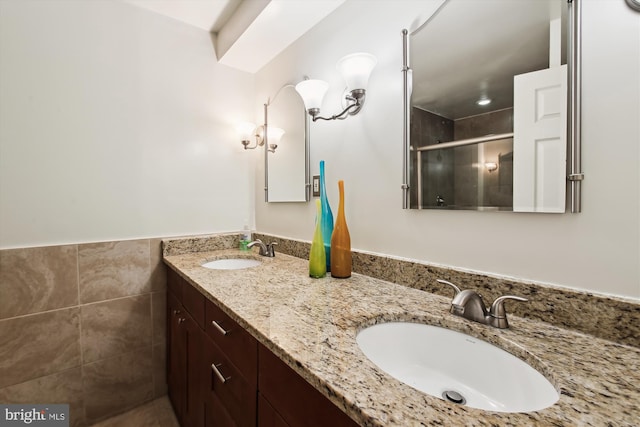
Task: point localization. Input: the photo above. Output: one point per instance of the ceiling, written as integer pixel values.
(471, 49)
(208, 15)
(248, 33)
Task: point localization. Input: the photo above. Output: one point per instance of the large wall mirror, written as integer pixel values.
(286, 148)
(488, 97)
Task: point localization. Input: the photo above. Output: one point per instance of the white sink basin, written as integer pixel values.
(439, 361)
(231, 264)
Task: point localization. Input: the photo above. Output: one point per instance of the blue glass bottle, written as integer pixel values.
(327, 217)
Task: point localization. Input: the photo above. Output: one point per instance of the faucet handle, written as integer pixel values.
(271, 250)
(457, 289)
(497, 308)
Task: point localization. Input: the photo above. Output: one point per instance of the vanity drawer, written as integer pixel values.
(235, 342)
(216, 414)
(226, 383)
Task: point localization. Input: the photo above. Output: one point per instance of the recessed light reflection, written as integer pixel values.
(483, 101)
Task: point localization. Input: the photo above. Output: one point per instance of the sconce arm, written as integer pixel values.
(343, 115)
(356, 100)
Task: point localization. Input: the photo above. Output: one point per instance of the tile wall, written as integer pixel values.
(85, 325)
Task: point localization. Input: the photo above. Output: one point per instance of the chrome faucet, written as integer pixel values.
(265, 250)
(469, 304)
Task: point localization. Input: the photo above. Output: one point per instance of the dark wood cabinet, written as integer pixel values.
(231, 355)
(267, 416)
(184, 361)
(296, 401)
(220, 376)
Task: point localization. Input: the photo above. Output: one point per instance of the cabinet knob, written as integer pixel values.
(176, 312)
(181, 320)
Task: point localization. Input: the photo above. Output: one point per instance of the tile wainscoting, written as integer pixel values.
(83, 324)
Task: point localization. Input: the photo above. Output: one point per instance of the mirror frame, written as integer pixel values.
(574, 110)
(307, 160)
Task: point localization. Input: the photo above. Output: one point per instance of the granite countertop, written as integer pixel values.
(311, 324)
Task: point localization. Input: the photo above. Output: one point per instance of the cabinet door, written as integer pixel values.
(176, 355)
(194, 400)
(267, 416)
(297, 402)
(184, 355)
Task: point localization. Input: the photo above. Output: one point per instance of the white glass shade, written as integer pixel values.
(312, 92)
(274, 134)
(356, 69)
(245, 130)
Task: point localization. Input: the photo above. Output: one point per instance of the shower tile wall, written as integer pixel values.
(495, 192)
(437, 166)
(83, 324)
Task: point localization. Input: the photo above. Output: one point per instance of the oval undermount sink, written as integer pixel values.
(231, 263)
(456, 367)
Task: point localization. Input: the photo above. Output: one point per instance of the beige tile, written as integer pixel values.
(160, 370)
(114, 385)
(113, 269)
(157, 413)
(62, 387)
(159, 316)
(39, 344)
(165, 415)
(111, 328)
(158, 268)
(37, 279)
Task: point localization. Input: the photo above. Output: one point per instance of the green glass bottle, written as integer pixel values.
(317, 256)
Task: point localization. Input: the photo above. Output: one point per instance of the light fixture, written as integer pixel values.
(491, 166)
(356, 69)
(483, 101)
(274, 135)
(248, 131)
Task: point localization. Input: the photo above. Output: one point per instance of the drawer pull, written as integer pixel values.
(216, 371)
(181, 320)
(219, 328)
(176, 312)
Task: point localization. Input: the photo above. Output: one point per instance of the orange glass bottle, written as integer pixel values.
(341, 242)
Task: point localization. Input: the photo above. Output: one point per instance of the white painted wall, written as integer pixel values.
(116, 123)
(597, 250)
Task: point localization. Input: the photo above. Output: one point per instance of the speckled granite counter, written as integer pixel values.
(312, 324)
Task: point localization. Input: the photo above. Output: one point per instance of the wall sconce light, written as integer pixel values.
(356, 69)
(248, 131)
(274, 135)
(491, 166)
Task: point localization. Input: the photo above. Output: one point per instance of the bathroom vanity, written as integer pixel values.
(219, 374)
(269, 346)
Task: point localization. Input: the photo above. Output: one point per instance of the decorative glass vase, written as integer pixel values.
(317, 256)
(327, 217)
(341, 242)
